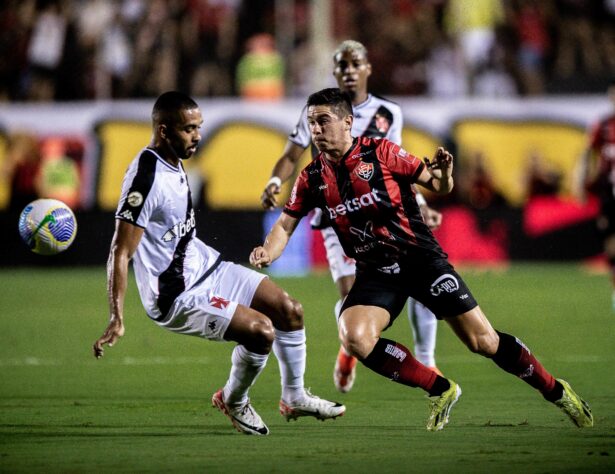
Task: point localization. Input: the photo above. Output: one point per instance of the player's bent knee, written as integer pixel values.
(262, 333)
(485, 345)
(292, 314)
(357, 346)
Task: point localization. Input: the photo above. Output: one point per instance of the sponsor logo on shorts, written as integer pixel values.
(212, 325)
(218, 302)
(445, 283)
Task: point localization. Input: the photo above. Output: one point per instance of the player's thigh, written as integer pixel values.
(285, 312)
(374, 289)
(475, 331)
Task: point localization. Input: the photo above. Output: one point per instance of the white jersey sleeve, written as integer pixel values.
(301, 135)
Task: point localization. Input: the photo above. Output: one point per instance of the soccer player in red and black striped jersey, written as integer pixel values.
(598, 176)
(364, 186)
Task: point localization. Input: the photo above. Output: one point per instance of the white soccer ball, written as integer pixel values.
(47, 226)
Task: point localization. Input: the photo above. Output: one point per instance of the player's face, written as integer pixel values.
(351, 72)
(184, 136)
(330, 133)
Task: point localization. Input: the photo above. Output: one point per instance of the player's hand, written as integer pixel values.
(114, 331)
(260, 258)
(442, 164)
(268, 199)
(432, 218)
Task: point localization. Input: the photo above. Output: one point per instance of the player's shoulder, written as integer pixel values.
(386, 102)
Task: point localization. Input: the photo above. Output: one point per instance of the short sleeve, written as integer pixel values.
(300, 201)
(301, 133)
(401, 164)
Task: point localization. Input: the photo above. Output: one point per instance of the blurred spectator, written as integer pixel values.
(476, 187)
(21, 168)
(492, 78)
(58, 176)
(444, 70)
(214, 24)
(576, 38)
(542, 179)
(473, 23)
(530, 21)
(260, 71)
(15, 18)
(45, 50)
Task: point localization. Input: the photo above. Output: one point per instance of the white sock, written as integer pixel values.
(289, 348)
(424, 327)
(245, 368)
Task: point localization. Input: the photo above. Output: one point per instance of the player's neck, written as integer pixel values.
(359, 98)
(165, 153)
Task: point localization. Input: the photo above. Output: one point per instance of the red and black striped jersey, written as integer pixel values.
(602, 142)
(369, 200)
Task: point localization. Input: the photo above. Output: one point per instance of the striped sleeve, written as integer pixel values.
(134, 206)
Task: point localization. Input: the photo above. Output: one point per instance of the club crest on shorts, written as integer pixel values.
(365, 171)
(444, 283)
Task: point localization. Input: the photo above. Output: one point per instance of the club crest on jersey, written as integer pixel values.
(445, 283)
(180, 229)
(365, 171)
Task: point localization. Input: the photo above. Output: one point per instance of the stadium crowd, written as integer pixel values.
(93, 49)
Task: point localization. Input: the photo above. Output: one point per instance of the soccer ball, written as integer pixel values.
(47, 226)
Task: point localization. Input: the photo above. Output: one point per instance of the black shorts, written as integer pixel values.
(436, 284)
(606, 218)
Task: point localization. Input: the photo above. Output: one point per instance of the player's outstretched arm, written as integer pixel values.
(275, 243)
(438, 173)
(282, 171)
(123, 246)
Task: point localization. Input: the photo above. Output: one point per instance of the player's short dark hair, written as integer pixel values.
(169, 103)
(338, 100)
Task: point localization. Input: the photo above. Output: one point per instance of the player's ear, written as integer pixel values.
(162, 131)
(348, 122)
(368, 69)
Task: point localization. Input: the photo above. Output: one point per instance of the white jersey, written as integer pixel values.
(376, 117)
(169, 259)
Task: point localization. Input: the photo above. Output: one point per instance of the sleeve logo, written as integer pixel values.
(135, 199)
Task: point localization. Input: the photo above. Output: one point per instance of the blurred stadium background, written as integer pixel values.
(511, 86)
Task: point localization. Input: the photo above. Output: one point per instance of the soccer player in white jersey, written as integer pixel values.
(373, 117)
(187, 288)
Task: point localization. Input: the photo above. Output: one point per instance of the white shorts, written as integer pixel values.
(206, 310)
(339, 264)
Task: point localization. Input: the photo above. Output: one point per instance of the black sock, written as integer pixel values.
(440, 386)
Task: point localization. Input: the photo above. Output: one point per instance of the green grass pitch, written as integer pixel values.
(145, 407)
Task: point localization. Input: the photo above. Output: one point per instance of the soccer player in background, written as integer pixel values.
(187, 288)
(364, 186)
(598, 177)
(374, 117)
